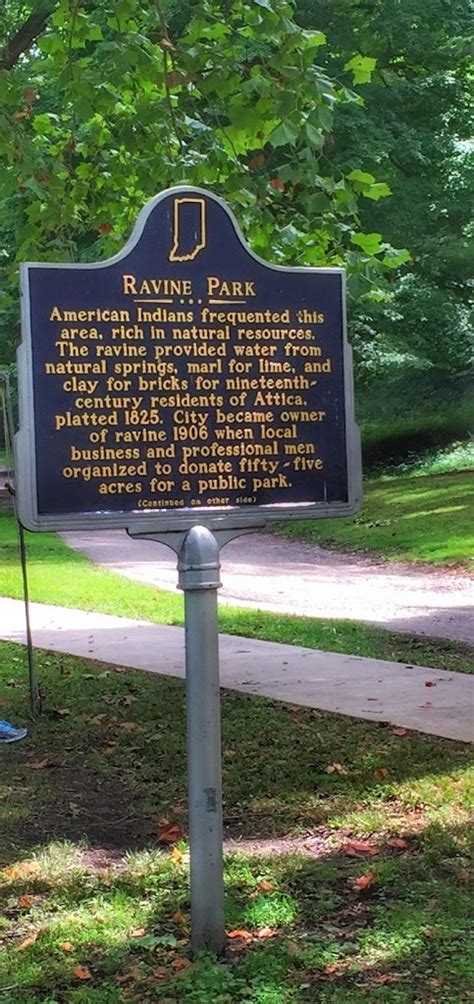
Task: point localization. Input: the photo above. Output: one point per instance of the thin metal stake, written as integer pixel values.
(198, 567)
(35, 699)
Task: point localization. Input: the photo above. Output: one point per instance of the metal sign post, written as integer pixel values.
(198, 567)
(187, 391)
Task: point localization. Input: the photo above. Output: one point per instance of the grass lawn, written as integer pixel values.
(409, 416)
(63, 577)
(428, 519)
(95, 909)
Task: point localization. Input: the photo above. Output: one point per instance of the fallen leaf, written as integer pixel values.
(430, 683)
(383, 979)
(27, 942)
(265, 932)
(22, 868)
(277, 184)
(128, 700)
(335, 768)
(266, 886)
(179, 918)
(244, 935)
(161, 974)
(398, 842)
(65, 946)
(131, 976)
(356, 847)
(179, 964)
(138, 932)
(41, 764)
(104, 228)
(427, 704)
(332, 967)
(82, 973)
(170, 832)
(380, 773)
(25, 901)
(400, 732)
(62, 712)
(176, 855)
(364, 881)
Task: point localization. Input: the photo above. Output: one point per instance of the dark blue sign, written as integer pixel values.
(185, 379)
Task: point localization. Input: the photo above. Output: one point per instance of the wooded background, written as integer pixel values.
(338, 130)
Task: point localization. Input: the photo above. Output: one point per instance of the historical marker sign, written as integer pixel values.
(184, 381)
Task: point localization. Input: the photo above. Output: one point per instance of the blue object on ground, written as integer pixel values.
(9, 734)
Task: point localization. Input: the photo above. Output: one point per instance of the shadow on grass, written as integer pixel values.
(312, 936)
(108, 760)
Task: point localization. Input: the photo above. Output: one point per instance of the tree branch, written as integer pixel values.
(25, 36)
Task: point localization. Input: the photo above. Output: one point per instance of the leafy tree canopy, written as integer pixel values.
(102, 104)
(415, 130)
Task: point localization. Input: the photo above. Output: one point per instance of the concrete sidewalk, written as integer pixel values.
(414, 697)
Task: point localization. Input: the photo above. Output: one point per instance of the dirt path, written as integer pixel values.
(266, 572)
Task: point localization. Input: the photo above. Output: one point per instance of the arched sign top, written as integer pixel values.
(184, 381)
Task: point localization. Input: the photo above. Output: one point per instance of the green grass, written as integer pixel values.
(86, 884)
(411, 414)
(60, 576)
(427, 519)
(455, 457)
(415, 429)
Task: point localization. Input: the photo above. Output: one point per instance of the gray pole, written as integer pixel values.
(198, 567)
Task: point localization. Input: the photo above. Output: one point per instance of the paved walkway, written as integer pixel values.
(413, 697)
(265, 571)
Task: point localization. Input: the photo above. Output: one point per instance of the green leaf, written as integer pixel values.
(325, 117)
(313, 39)
(94, 33)
(319, 203)
(264, 3)
(370, 243)
(362, 176)
(378, 191)
(45, 124)
(394, 258)
(286, 133)
(50, 44)
(314, 136)
(83, 171)
(362, 68)
(33, 185)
